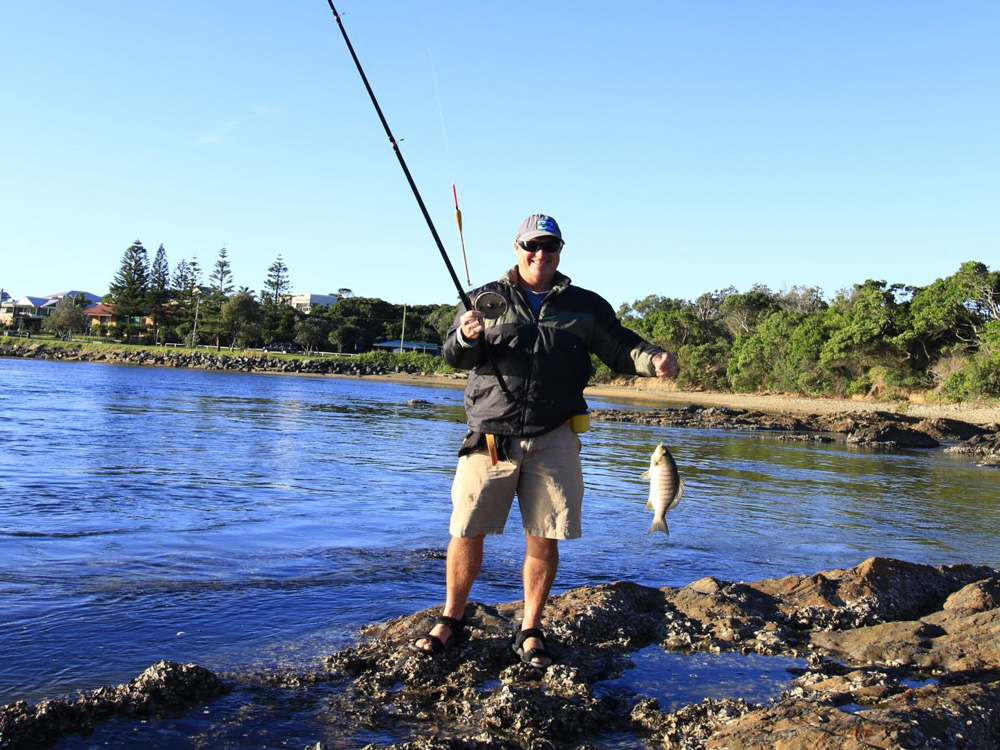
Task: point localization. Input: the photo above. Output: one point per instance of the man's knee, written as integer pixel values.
(542, 548)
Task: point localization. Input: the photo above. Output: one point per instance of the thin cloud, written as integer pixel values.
(223, 131)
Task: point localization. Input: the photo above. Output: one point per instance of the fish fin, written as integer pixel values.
(677, 497)
(659, 524)
(644, 475)
(649, 504)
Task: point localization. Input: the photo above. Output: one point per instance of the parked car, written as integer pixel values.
(288, 347)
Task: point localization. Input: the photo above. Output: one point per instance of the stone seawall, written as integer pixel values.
(200, 360)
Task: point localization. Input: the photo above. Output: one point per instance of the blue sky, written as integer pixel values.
(683, 146)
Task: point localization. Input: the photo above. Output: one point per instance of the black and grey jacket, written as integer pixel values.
(545, 361)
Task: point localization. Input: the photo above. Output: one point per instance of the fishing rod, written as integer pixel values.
(416, 194)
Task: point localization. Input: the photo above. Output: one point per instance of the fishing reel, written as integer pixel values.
(491, 305)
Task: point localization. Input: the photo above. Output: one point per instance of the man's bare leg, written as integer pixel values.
(541, 560)
(465, 558)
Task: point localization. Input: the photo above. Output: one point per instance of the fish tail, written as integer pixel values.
(659, 524)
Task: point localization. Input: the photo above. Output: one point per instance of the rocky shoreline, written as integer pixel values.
(200, 360)
(896, 655)
(873, 429)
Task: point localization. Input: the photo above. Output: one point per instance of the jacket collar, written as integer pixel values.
(559, 282)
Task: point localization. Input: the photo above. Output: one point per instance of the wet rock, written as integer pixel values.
(876, 429)
(985, 445)
(891, 436)
(898, 655)
(165, 686)
(967, 716)
(871, 631)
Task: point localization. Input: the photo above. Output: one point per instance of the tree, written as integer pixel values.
(221, 287)
(864, 324)
(440, 319)
(67, 318)
(277, 285)
(708, 306)
(311, 332)
(741, 313)
(982, 287)
(159, 290)
(186, 291)
(278, 319)
(801, 299)
(241, 319)
(278, 322)
(347, 338)
(129, 291)
(781, 354)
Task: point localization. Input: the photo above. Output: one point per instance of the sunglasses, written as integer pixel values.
(534, 246)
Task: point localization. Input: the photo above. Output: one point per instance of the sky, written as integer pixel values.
(682, 146)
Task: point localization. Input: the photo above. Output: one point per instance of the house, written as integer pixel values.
(394, 345)
(101, 314)
(29, 308)
(304, 303)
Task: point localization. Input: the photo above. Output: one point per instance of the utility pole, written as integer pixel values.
(402, 336)
(194, 330)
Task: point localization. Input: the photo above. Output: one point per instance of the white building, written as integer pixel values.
(304, 303)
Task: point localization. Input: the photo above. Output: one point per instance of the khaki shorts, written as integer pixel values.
(545, 474)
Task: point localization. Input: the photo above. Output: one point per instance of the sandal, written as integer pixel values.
(458, 635)
(529, 656)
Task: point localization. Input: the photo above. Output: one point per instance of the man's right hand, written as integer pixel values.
(471, 324)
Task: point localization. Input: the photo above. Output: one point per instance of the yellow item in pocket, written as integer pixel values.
(580, 423)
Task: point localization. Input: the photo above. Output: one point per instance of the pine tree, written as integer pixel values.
(211, 308)
(222, 276)
(159, 292)
(277, 285)
(186, 291)
(129, 290)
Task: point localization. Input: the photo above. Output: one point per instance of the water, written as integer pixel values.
(246, 521)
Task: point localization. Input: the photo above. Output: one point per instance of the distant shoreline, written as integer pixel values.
(648, 392)
(639, 392)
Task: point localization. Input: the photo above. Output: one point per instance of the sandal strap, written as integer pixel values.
(523, 635)
(451, 623)
(535, 653)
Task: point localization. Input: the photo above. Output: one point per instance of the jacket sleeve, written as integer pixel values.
(456, 355)
(620, 348)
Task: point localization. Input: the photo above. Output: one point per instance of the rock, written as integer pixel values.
(874, 634)
(165, 686)
(986, 444)
(877, 429)
(891, 436)
(867, 628)
(976, 597)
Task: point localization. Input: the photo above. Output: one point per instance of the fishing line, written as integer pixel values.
(416, 194)
(447, 149)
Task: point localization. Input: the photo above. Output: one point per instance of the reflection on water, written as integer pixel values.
(676, 680)
(237, 520)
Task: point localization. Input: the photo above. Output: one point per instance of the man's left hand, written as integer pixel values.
(666, 365)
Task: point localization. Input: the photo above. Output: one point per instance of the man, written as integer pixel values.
(523, 443)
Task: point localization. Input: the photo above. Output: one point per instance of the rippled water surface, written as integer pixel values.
(245, 521)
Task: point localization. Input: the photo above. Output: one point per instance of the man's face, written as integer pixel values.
(537, 261)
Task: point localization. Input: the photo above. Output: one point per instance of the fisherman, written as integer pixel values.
(523, 443)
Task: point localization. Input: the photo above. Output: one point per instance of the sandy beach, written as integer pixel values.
(656, 393)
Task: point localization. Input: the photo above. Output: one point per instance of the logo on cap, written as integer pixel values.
(546, 224)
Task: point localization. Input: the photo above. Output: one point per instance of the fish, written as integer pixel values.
(665, 487)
